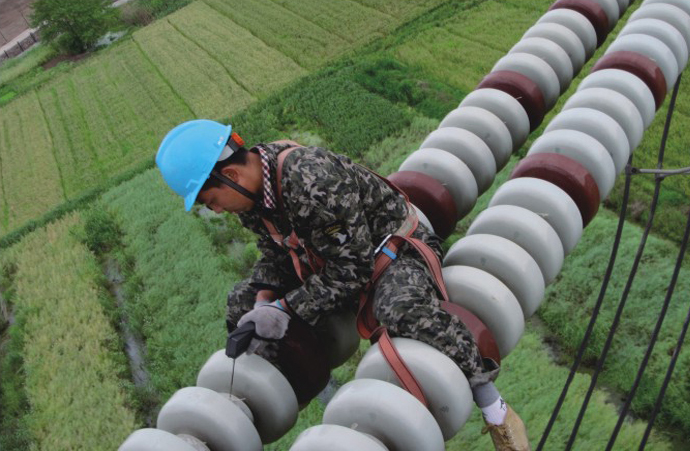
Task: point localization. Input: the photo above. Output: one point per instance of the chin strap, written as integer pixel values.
(240, 189)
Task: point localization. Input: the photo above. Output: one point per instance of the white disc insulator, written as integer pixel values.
(485, 124)
(490, 300)
(652, 48)
(154, 440)
(449, 171)
(669, 14)
(387, 412)
(561, 35)
(622, 6)
(526, 229)
(663, 31)
(575, 22)
(469, 148)
(599, 126)
(264, 389)
(626, 84)
(682, 4)
(337, 333)
(210, 417)
(333, 437)
(445, 387)
(506, 107)
(504, 260)
(422, 220)
(547, 200)
(550, 52)
(537, 70)
(614, 104)
(612, 11)
(584, 149)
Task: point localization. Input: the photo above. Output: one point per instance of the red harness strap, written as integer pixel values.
(315, 262)
(367, 324)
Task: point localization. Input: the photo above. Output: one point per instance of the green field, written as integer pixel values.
(71, 358)
(210, 60)
(369, 78)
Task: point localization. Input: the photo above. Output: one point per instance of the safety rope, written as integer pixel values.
(660, 175)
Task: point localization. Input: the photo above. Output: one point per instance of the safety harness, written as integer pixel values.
(368, 326)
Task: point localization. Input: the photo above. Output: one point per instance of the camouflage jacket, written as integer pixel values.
(341, 212)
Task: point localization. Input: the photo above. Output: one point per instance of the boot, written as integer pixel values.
(509, 436)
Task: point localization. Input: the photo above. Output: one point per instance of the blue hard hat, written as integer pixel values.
(187, 155)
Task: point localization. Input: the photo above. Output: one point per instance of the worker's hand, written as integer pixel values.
(271, 323)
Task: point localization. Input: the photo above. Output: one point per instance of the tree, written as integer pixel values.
(73, 25)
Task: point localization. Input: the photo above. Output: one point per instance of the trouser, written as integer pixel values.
(408, 304)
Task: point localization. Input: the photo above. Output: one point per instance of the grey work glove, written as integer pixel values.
(271, 323)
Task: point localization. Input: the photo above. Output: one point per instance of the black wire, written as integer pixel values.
(616, 320)
(672, 363)
(595, 312)
(681, 338)
(633, 271)
(669, 292)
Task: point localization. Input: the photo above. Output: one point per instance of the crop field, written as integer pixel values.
(71, 356)
(209, 60)
(21, 172)
(200, 80)
(368, 78)
(255, 66)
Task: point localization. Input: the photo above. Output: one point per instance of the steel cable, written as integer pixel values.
(676, 352)
(585, 340)
(669, 292)
(628, 285)
(595, 312)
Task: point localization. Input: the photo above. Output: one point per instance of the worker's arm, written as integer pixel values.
(273, 269)
(324, 202)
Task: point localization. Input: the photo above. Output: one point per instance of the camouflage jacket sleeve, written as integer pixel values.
(273, 269)
(323, 202)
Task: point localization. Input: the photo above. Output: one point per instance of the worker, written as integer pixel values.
(342, 216)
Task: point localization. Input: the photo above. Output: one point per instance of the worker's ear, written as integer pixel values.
(230, 172)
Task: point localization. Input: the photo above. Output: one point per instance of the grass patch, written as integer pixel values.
(568, 304)
(330, 102)
(24, 63)
(175, 301)
(531, 384)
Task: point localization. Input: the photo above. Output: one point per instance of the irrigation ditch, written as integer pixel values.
(134, 346)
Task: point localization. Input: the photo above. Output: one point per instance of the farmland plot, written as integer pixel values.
(72, 359)
(26, 174)
(72, 139)
(302, 40)
(199, 79)
(458, 61)
(497, 25)
(402, 10)
(347, 19)
(257, 67)
(151, 106)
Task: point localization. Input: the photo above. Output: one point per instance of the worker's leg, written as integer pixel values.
(407, 303)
